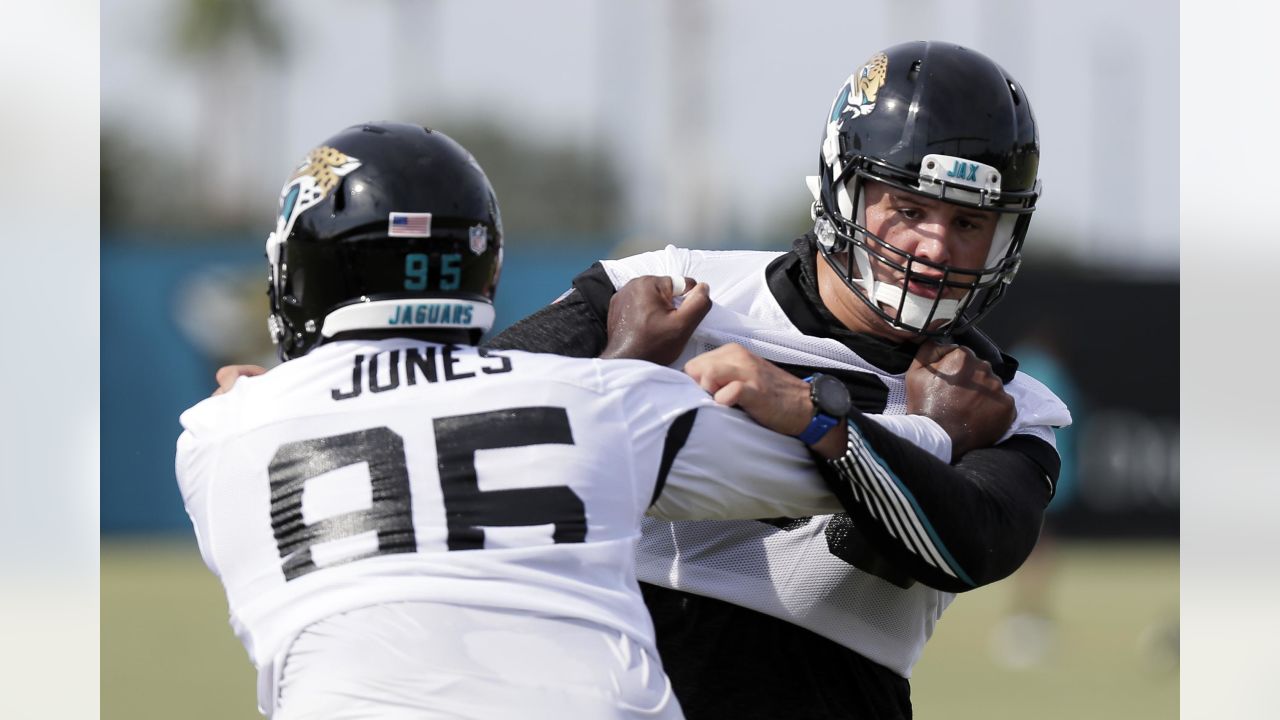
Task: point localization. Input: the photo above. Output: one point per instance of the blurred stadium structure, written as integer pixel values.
(637, 124)
(610, 128)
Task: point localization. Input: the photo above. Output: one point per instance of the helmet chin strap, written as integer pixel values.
(915, 309)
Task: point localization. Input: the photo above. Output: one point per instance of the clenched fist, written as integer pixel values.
(960, 392)
(645, 324)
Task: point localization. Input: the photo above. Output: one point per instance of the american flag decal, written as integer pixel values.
(402, 224)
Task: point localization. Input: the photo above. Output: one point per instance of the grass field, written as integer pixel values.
(167, 651)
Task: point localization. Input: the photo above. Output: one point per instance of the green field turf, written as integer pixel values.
(167, 651)
(1114, 653)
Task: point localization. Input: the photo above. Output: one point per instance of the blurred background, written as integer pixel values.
(610, 128)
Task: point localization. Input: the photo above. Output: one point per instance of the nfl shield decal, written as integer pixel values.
(479, 236)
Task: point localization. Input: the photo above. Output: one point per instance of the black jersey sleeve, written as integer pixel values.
(576, 325)
(951, 527)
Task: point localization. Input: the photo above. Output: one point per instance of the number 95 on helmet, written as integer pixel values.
(384, 227)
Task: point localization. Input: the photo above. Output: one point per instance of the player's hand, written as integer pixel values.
(949, 384)
(646, 324)
(228, 374)
(772, 397)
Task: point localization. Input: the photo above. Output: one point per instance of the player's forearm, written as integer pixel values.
(919, 430)
(730, 468)
(952, 527)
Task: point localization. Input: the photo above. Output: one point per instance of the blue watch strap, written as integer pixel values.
(819, 425)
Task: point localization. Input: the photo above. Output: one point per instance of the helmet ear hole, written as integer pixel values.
(295, 283)
(340, 196)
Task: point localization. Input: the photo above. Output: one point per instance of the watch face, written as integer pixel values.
(831, 396)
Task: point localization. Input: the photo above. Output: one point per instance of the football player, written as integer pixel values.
(927, 181)
(409, 526)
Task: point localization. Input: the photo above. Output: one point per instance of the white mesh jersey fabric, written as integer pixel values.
(366, 537)
(310, 499)
(791, 573)
(391, 661)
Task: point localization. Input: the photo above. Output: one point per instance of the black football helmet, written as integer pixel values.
(945, 122)
(383, 227)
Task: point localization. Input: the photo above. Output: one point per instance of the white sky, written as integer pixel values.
(1102, 77)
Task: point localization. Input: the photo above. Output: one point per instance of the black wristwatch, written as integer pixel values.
(831, 404)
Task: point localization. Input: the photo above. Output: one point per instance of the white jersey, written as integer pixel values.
(790, 570)
(381, 472)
